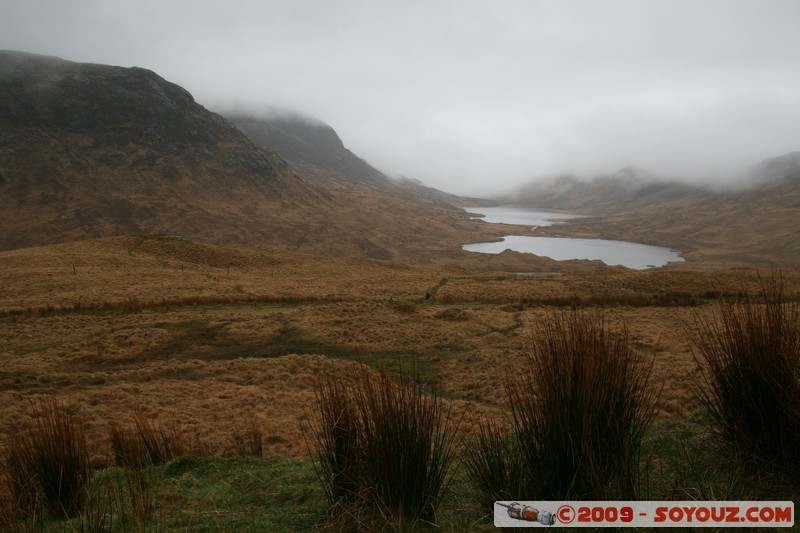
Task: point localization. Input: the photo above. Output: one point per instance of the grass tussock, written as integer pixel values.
(137, 492)
(383, 448)
(749, 379)
(146, 442)
(248, 442)
(493, 464)
(579, 408)
(47, 465)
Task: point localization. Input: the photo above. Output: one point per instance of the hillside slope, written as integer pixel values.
(95, 150)
(754, 226)
(624, 190)
(314, 150)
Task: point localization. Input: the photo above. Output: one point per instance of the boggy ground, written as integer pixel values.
(215, 338)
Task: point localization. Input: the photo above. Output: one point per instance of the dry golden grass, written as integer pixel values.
(216, 339)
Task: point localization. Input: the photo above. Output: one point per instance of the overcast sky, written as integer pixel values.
(471, 97)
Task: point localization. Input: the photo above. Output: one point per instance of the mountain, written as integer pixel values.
(314, 150)
(91, 150)
(752, 225)
(776, 171)
(626, 189)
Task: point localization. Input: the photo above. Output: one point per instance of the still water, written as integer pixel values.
(628, 254)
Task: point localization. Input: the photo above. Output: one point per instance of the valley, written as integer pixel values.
(205, 271)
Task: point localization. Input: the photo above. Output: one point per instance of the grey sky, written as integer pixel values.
(471, 97)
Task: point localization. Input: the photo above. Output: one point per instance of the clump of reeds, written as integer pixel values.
(580, 406)
(749, 378)
(383, 449)
(492, 462)
(336, 435)
(136, 447)
(19, 516)
(147, 442)
(248, 442)
(139, 495)
(47, 465)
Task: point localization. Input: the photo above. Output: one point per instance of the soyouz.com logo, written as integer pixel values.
(644, 514)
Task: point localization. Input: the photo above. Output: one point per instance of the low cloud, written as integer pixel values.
(469, 96)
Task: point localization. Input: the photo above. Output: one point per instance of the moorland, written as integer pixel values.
(218, 339)
(164, 266)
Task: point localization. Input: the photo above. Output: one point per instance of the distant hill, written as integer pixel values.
(95, 150)
(624, 190)
(776, 171)
(314, 150)
(754, 224)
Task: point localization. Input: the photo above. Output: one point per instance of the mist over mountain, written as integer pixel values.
(92, 150)
(752, 224)
(632, 188)
(312, 147)
(314, 150)
(626, 189)
(95, 150)
(776, 170)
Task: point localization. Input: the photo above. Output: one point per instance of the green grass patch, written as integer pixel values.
(205, 494)
(241, 494)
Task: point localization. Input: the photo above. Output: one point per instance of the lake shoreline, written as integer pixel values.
(632, 255)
